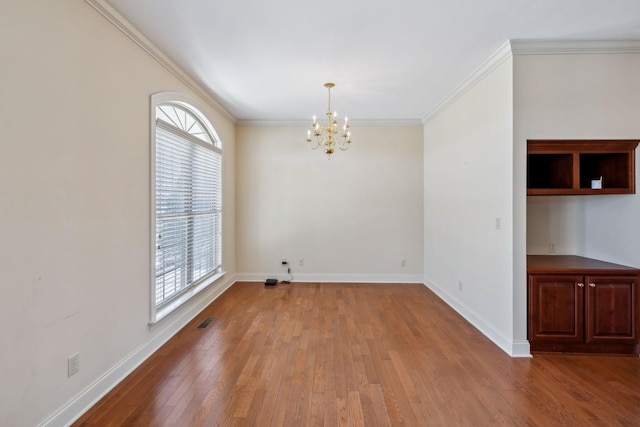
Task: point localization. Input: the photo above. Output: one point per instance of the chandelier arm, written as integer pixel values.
(317, 143)
(344, 145)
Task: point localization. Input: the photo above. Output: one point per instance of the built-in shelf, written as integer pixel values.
(568, 167)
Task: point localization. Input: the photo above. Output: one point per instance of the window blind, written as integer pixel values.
(188, 211)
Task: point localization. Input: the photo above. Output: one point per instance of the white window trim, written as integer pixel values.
(157, 314)
(160, 313)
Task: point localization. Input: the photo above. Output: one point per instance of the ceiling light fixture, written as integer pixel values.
(327, 136)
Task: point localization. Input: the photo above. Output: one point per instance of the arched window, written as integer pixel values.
(187, 202)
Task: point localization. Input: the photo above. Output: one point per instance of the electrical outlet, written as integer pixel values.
(301, 262)
(460, 286)
(284, 261)
(403, 262)
(552, 248)
(73, 364)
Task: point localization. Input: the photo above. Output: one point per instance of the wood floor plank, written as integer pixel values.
(317, 410)
(332, 354)
(330, 408)
(379, 407)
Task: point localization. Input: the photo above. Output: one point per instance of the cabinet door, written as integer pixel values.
(556, 308)
(611, 309)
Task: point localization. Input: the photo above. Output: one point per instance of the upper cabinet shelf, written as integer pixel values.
(568, 167)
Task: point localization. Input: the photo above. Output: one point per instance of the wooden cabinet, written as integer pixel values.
(610, 310)
(556, 312)
(578, 304)
(567, 167)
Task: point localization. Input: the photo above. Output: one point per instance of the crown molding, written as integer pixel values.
(127, 28)
(501, 55)
(532, 47)
(563, 47)
(305, 123)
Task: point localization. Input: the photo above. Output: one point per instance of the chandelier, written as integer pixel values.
(328, 136)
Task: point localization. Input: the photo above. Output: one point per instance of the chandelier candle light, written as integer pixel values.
(326, 136)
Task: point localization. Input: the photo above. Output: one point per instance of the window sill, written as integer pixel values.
(159, 314)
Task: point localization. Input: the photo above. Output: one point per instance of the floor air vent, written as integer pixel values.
(206, 322)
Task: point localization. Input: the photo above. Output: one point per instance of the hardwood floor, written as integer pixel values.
(317, 354)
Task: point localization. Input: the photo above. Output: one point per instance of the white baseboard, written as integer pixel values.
(94, 392)
(333, 278)
(512, 348)
(172, 324)
(520, 349)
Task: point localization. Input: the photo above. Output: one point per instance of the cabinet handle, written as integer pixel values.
(581, 285)
(593, 285)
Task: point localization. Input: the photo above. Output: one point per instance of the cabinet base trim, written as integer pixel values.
(610, 349)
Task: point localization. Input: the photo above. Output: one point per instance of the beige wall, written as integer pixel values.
(74, 223)
(468, 187)
(352, 217)
(573, 97)
(586, 96)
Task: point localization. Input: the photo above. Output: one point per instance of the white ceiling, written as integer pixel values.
(268, 60)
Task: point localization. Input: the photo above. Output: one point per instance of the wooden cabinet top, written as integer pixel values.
(572, 264)
(544, 146)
